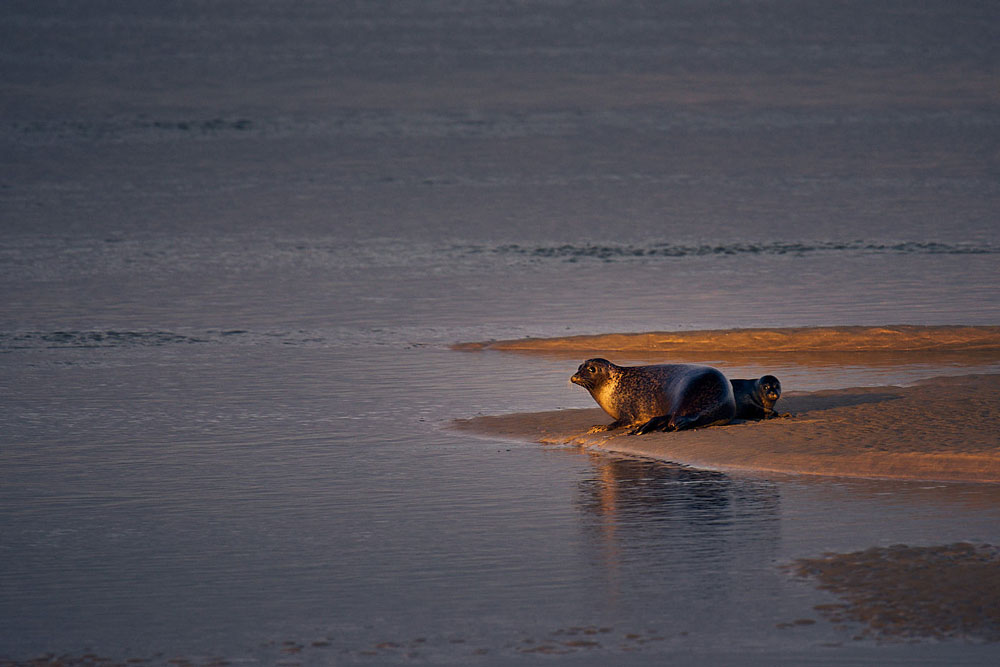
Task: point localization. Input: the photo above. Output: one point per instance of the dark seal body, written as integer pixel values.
(755, 399)
(667, 397)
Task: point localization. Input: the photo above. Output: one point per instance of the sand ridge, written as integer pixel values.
(889, 338)
(903, 592)
(941, 429)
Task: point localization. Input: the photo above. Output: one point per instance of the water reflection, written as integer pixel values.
(626, 489)
(647, 518)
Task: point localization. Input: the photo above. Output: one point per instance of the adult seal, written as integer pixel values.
(666, 397)
(755, 399)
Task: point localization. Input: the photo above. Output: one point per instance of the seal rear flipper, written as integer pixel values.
(662, 423)
(681, 422)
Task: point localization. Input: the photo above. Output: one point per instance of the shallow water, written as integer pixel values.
(208, 500)
(238, 244)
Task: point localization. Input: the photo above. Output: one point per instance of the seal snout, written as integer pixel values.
(584, 382)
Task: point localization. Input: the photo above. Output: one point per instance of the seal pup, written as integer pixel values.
(666, 397)
(755, 399)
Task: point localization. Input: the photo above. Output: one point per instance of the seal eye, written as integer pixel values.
(591, 369)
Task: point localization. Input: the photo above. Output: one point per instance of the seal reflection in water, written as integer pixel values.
(667, 397)
(755, 399)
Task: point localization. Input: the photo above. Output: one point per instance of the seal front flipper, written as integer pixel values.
(662, 423)
(600, 428)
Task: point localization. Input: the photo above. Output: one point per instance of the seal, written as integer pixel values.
(665, 397)
(755, 399)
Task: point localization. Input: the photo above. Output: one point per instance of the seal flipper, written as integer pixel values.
(682, 423)
(678, 423)
(661, 423)
(600, 428)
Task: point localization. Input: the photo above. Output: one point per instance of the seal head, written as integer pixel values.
(600, 378)
(755, 399)
(769, 390)
(593, 373)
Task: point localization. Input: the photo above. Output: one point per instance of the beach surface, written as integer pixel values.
(897, 338)
(940, 429)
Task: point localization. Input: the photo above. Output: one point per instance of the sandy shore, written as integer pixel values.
(890, 338)
(941, 429)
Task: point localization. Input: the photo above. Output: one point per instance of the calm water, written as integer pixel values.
(239, 238)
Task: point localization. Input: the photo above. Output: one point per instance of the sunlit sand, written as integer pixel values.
(940, 429)
(895, 338)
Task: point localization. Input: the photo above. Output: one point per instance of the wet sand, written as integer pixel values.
(902, 592)
(941, 429)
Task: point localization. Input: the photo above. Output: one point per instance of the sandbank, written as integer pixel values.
(885, 339)
(903, 592)
(943, 429)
